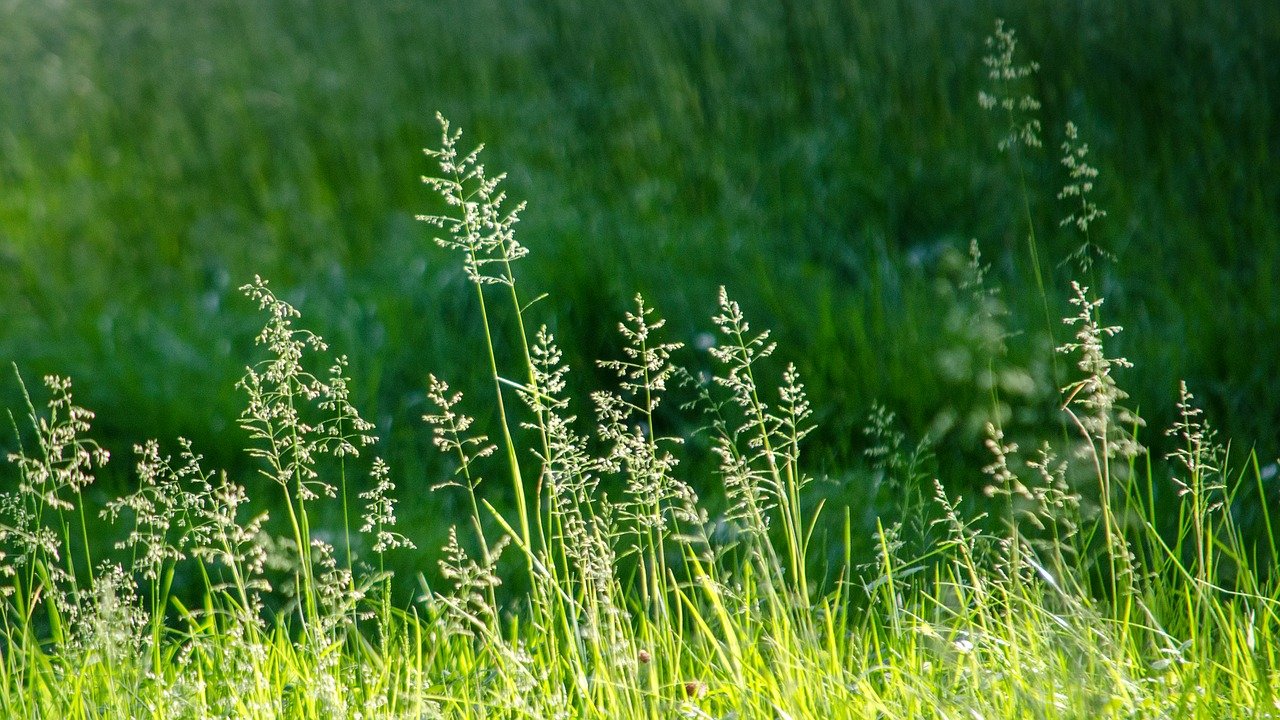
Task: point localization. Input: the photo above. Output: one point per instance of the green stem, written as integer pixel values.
(517, 481)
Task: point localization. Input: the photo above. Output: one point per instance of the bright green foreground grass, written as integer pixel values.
(1069, 598)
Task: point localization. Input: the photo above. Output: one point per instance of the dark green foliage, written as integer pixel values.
(824, 161)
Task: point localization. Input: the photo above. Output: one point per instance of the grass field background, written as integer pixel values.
(826, 161)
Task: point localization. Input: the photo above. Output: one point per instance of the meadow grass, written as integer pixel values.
(607, 586)
(822, 161)
(662, 545)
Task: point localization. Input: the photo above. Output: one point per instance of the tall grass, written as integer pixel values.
(608, 587)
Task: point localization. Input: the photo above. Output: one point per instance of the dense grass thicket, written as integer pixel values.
(1105, 570)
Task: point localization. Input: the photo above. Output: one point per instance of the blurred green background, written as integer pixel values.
(827, 161)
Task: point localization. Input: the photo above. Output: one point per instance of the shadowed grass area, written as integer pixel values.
(826, 162)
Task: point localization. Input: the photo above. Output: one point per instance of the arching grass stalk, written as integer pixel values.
(483, 232)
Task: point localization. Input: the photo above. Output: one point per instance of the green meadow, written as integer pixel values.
(791, 360)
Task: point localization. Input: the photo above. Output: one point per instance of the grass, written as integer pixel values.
(822, 163)
(610, 586)
(676, 529)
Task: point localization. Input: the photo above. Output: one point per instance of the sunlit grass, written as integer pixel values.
(609, 583)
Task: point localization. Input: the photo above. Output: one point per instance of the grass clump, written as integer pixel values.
(611, 588)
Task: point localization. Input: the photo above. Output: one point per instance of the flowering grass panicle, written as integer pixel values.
(1007, 78)
(986, 382)
(964, 535)
(483, 230)
(380, 511)
(648, 365)
(1081, 177)
(548, 370)
(450, 435)
(1108, 430)
(793, 426)
(742, 445)
(1103, 421)
(902, 475)
(981, 316)
(580, 525)
(291, 436)
(37, 519)
(1200, 455)
(234, 544)
(1004, 481)
(167, 508)
(1056, 505)
(64, 459)
(1201, 480)
(469, 608)
(626, 422)
(885, 443)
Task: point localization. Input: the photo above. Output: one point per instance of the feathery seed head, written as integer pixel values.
(1079, 185)
(1006, 78)
(1104, 419)
(479, 227)
(450, 436)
